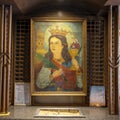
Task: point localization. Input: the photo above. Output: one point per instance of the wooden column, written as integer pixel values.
(110, 56)
(5, 57)
(113, 60)
(1, 52)
(119, 59)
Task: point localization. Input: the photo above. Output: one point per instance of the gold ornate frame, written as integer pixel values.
(81, 21)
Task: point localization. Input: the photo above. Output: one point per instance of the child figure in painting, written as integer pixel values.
(62, 77)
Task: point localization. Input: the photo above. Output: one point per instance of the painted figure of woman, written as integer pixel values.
(62, 77)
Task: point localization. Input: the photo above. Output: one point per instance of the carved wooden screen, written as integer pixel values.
(22, 51)
(95, 34)
(96, 55)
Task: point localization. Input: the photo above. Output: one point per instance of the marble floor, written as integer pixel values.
(27, 113)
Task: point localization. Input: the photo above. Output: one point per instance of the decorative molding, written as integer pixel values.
(7, 58)
(116, 64)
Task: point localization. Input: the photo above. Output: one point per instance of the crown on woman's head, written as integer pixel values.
(57, 31)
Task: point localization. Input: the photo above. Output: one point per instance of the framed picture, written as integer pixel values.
(22, 93)
(58, 57)
(97, 96)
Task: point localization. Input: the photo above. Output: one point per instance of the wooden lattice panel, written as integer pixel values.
(95, 32)
(22, 51)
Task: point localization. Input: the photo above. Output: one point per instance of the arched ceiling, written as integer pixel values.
(27, 7)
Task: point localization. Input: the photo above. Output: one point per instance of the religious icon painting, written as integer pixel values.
(58, 56)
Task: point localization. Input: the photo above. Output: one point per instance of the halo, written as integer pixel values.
(70, 37)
